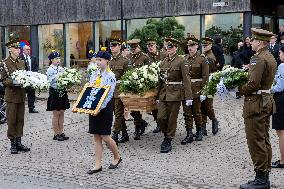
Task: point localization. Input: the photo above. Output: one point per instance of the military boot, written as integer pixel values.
(20, 146)
(137, 133)
(204, 130)
(261, 181)
(215, 125)
(166, 145)
(115, 136)
(14, 146)
(124, 138)
(199, 135)
(157, 129)
(188, 138)
(144, 124)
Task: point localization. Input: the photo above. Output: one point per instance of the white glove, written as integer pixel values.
(188, 102)
(157, 101)
(16, 83)
(236, 89)
(202, 98)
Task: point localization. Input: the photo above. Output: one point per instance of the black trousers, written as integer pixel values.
(31, 98)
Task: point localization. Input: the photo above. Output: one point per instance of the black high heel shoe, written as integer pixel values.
(92, 171)
(112, 166)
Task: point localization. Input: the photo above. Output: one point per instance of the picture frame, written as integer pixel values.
(91, 99)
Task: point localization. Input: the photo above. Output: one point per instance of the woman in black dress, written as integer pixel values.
(100, 125)
(278, 117)
(57, 102)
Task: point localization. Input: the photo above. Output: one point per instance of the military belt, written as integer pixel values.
(195, 80)
(262, 91)
(174, 83)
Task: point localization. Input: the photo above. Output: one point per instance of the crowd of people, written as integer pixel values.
(180, 81)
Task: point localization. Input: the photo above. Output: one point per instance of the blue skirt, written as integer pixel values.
(101, 123)
(278, 117)
(57, 101)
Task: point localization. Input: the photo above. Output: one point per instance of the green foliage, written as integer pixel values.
(159, 29)
(56, 43)
(230, 37)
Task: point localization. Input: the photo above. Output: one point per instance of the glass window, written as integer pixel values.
(107, 30)
(191, 23)
(268, 23)
(281, 22)
(81, 39)
(256, 21)
(224, 21)
(50, 38)
(135, 24)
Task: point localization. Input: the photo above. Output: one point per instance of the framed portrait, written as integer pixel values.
(91, 99)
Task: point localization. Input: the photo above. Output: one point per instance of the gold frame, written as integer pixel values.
(88, 111)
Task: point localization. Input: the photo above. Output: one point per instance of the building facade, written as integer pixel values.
(73, 27)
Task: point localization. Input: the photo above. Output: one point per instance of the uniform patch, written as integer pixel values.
(253, 62)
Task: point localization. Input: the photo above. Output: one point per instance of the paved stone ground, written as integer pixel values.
(220, 161)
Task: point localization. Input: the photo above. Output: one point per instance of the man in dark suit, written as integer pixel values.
(218, 52)
(31, 65)
(274, 47)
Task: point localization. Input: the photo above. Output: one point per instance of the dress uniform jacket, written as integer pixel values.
(211, 61)
(198, 70)
(118, 66)
(13, 94)
(258, 107)
(138, 60)
(155, 57)
(173, 70)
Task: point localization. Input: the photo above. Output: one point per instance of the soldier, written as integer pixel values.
(198, 70)
(207, 105)
(258, 107)
(118, 65)
(155, 56)
(137, 59)
(174, 86)
(14, 96)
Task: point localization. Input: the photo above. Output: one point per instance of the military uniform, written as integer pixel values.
(207, 105)
(15, 100)
(137, 60)
(198, 70)
(156, 57)
(173, 87)
(119, 65)
(258, 107)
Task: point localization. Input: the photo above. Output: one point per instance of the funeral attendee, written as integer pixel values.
(100, 124)
(258, 107)
(278, 117)
(137, 59)
(31, 65)
(155, 55)
(198, 70)
(174, 86)
(14, 95)
(57, 101)
(118, 65)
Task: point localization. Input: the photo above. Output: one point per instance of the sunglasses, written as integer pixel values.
(113, 44)
(170, 46)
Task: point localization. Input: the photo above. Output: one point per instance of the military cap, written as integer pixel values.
(260, 34)
(192, 41)
(206, 41)
(115, 40)
(172, 40)
(151, 39)
(13, 41)
(54, 54)
(133, 42)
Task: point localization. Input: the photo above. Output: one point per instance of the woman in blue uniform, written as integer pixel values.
(100, 125)
(278, 117)
(56, 102)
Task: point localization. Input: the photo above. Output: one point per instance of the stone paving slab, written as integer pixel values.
(219, 162)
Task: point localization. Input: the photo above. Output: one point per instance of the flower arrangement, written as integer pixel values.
(140, 80)
(92, 67)
(30, 79)
(68, 78)
(225, 80)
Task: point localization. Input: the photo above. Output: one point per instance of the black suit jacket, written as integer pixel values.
(34, 63)
(275, 50)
